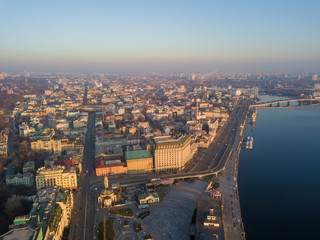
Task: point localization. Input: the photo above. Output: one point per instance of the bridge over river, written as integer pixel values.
(287, 103)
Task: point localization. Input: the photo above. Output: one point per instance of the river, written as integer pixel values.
(279, 179)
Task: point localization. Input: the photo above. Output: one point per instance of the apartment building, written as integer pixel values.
(52, 146)
(57, 176)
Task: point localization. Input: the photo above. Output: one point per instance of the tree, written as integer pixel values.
(205, 127)
(215, 185)
(13, 207)
(3, 163)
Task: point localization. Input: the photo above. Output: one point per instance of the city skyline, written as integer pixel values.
(147, 36)
(150, 119)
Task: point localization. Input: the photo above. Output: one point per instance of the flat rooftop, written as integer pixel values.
(131, 155)
(21, 233)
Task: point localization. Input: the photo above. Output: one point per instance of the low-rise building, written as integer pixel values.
(148, 197)
(110, 164)
(71, 147)
(25, 179)
(28, 167)
(111, 167)
(103, 143)
(139, 161)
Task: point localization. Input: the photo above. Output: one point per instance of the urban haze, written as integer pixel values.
(138, 119)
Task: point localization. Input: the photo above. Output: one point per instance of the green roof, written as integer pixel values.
(130, 155)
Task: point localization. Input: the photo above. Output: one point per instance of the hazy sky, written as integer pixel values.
(160, 35)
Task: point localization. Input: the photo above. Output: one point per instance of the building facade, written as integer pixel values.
(52, 146)
(171, 154)
(110, 164)
(140, 161)
(112, 167)
(58, 176)
(25, 179)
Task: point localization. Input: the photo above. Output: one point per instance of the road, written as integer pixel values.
(232, 220)
(217, 152)
(80, 227)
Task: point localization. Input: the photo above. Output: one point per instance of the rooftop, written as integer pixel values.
(22, 233)
(19, 175)
(130, 155)
(171, 141)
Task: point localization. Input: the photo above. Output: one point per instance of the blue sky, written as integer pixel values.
(160, 35)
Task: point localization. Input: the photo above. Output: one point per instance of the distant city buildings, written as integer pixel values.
(144, 123)
(315, 77)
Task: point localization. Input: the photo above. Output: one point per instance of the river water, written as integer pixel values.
(279, 179)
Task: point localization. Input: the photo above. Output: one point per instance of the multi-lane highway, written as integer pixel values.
(217, 152)
(79, 226)
(232, 220)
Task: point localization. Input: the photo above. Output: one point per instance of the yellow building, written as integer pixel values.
(171, 154)
(139, 161)
(58, 176)
(52, 146)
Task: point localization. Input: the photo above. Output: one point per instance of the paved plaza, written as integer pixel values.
(171, 218)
